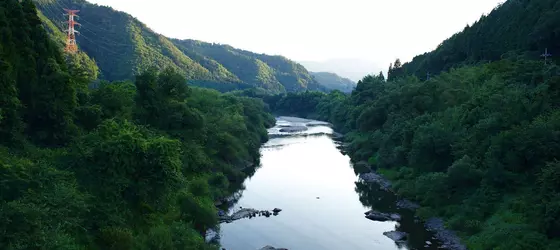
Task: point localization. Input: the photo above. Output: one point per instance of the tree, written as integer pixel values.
(380, 76)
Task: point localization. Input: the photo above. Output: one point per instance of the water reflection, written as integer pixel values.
(322, 200)
(376, 198)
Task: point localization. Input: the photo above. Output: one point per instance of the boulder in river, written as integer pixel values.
(272, 248)
(378, 179)
(293, 129)
(449, 239)
(398, 237)
(379, 216)
(406, 204)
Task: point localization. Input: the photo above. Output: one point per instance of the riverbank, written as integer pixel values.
(448, 238)
(312, 181)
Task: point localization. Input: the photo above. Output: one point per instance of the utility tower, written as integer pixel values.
(71, 45)
(546, 55)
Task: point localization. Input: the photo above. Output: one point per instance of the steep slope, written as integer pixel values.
(332, 81)
(476, 145)
(259, 70)
(121, 166)
(520, 27)
(123, 46)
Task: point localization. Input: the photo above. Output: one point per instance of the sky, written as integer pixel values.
(373, 31)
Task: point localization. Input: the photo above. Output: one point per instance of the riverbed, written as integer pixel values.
(322, 200)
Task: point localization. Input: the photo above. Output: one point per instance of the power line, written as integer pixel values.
(71, 45)
(98, 27)
(72, 38)
(99, 46)
(113, 42)
(546, 55)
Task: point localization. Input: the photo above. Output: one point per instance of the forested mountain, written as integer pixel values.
(275, 73)
(123, 46)
(517, 27)
(124, 165)
(477, 145)
(332, 81)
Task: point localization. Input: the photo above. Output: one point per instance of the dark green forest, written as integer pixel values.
(123, 47)
(516, 27)
(478, 142)
(120, 165)
(110, 149)
(477, 145)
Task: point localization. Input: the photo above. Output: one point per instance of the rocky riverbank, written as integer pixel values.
(379, 216)
(272, 248)
(398, 237)
(447, 237)
(246, 213)
(373, 177)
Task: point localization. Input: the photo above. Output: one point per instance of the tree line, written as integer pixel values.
(112, 165)
(469, 130)
(477, 145)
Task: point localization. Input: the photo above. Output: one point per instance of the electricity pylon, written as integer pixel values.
(71, 45)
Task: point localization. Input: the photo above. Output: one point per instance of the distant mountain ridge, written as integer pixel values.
(352, 68)
(332, 81)
(122, 46)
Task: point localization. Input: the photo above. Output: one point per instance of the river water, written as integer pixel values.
(321, 198)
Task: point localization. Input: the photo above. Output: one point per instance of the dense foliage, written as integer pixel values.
(525, 27)
(124, 165)
(477, 145)
(478, 142)
(122, 46)
(332, 81)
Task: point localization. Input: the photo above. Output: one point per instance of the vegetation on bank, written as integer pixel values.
(476, 140)
(122, 165)
(477, 145)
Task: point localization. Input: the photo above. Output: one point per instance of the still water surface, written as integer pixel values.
(315, 186)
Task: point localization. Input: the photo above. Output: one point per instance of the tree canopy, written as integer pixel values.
(112, 165)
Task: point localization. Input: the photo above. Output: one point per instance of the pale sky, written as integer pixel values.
(312, 30)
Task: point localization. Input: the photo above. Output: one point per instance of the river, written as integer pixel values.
(321, 198)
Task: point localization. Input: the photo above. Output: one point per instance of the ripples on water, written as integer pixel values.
(315, 186)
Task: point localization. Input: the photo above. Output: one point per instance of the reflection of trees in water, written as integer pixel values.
(371, 195)
(229, 203)
(298, 135)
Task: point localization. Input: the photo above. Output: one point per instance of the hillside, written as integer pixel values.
(520, 27)
(477, 143)
(332, 81)
(259, 70)
(123, 46)
(126, 165)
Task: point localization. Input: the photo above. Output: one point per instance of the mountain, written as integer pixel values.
(332, 81)
(122, 47)
(520, 27)
(477, 144)
(126, 165)
(260, 70)
(354, 69)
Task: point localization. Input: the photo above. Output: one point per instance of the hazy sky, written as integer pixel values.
(312, 30)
